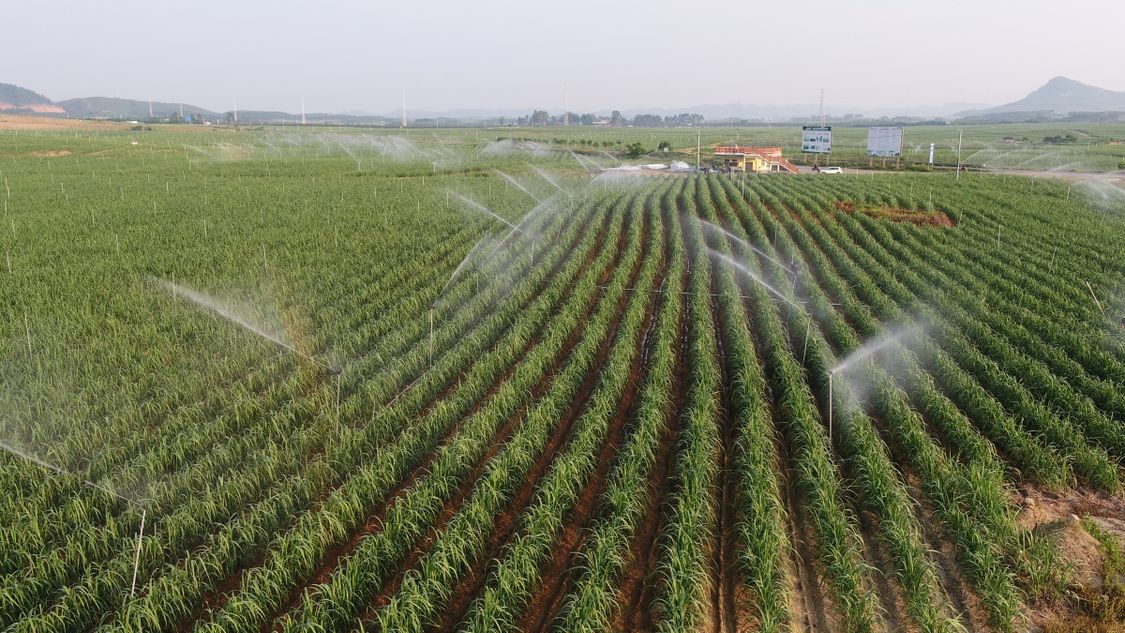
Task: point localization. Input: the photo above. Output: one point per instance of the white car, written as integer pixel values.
(831, 170)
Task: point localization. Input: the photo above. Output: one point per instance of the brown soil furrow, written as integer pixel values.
(724, 614)
(556, 573)
(638, 587)
(882, 580)
(374, 522)
(811, 612)
(472, 583)
(960, 601)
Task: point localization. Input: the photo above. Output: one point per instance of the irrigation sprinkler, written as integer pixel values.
(203, 301)
(831, 373)
(808, 329)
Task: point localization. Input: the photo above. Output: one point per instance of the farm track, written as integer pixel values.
(555, 575)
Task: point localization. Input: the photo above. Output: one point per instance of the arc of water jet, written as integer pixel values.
(551, 180)
(581, 162)
(740, 268)
(476, 206)
(517, 184)
(873, 347)
(730, 235)
(464, 262)
(208, 303)
(66, 473)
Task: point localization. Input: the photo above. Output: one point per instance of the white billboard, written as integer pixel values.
(816, 139)
(884, 141)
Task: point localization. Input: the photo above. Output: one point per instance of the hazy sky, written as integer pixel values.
(351, 55)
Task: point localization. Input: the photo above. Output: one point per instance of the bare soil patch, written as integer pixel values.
(897, 214)
(1093, 602)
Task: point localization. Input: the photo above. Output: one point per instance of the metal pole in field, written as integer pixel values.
(137, 557)
(431, 336)
(830, 374)
(805, 352)
(960, 136)
(27, 330)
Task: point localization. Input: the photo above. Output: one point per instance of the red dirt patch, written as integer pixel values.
(897, 214)
(1090, 597)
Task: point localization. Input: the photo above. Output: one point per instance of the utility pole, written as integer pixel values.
(403, 109)
(822, 107)
(302, 110)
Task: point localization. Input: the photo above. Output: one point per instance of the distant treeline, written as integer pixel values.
(615, 119)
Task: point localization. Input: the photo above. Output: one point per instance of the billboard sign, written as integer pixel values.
(884, 141)
(816, 139)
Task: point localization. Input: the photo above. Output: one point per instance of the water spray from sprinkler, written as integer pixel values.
(480, 208)
(711, 227)
(545, 176)
(213, 305)
(517, 184)
(867, 350)
(762, 282)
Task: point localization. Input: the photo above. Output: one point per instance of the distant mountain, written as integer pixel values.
(17, 100)
(1062, 96)
(114, 108)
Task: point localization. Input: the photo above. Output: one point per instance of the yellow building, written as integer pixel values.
(747, 158)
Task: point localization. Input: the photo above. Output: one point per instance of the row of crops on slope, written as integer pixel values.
(695, 403)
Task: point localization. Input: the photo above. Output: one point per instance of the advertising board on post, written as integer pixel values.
(816, 139)
(884, 141)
